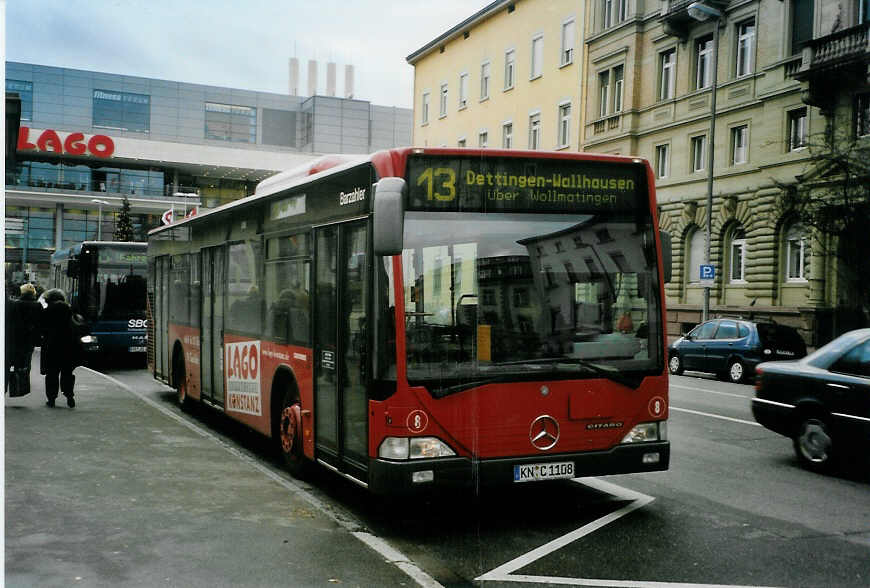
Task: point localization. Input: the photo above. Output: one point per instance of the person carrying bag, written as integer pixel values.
(61, 347)
(25, 319)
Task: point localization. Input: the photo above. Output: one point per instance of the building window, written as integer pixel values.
(739, 145)
(564, 124)
(463, 91)
(695, 255)
(862, 115)
(442, 106)
(699, 153)
(667, 73)
(662, 160)
(122, 110)
(424, 109)
(603, 92)
(25, 92)
(535, 131)
(802, 15)
(507, 135)
(483, 139)
(566, 54)
(484, 81)
(610, 102)
(737, 263)
(537, 57)
(797, 129)
(745, 48)
(703, 62)
(510, 57)
(618, 83)
(613, 12)
(797, 254)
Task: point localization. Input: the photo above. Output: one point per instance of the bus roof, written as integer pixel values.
(387, 161)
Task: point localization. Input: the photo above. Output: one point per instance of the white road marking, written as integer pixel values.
(504, 573)
(714, 416)
(380, 546)
(710, 391)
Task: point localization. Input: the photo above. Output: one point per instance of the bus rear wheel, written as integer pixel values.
(290, 434)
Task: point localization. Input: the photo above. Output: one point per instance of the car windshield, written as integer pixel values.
(524, 294)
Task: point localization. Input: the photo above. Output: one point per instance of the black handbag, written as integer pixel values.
(19, 383)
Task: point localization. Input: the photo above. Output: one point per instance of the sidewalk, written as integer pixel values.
(116, 493)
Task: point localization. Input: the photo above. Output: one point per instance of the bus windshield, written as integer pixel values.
(117, 287)
(516, 295)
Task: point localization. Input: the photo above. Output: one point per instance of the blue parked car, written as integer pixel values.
(731, 348)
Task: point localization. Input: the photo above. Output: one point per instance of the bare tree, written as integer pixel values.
(833, 197)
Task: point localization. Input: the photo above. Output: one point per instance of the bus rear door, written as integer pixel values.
(340, 342)
(214, 261)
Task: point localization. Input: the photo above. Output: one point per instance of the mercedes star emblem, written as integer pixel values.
(544, 432)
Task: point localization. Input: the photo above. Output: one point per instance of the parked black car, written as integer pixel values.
(822, 402)
(731, 348)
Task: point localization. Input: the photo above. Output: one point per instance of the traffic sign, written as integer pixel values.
(707, 274)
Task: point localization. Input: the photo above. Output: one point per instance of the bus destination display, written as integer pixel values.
(522, 185)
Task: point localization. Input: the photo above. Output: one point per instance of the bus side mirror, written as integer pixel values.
(666, 255)
(389, 216)
(72, 268)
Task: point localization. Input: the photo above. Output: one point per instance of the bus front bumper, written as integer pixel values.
(404, 477)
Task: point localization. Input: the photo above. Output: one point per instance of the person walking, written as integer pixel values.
(61, 352)
(26, 321)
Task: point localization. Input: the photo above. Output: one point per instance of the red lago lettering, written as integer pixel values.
(100, 146)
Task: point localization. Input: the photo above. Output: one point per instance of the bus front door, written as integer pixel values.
(340, 343)
(213, 272)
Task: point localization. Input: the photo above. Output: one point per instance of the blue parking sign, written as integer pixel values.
(708, 272)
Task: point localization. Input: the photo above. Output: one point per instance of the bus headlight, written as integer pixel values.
(645, 432)
(413, 448)
(89, 340)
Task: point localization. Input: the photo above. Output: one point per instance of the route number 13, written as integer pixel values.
(440, 183)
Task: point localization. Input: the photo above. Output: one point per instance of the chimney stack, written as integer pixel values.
(330, 78)
(294, 76)
(348, 81)
(312, 77)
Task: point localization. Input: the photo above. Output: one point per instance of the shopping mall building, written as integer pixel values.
(87, 140)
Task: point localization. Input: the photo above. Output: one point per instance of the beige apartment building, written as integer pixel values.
(635, 77)
(509, 77)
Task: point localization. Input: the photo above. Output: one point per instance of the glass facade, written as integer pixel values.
(226, 122)
(25, 92)
(39, 227)
(122, 110)
(68, 176)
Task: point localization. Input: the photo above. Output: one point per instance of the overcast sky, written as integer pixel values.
(238, 44)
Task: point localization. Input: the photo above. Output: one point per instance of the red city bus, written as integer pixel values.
(428, 317)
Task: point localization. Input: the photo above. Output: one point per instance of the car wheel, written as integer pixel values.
(290, 434)
(813, 445)
(736, 371)
(675, 364)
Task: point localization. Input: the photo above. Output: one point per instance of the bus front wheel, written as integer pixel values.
(290, 434)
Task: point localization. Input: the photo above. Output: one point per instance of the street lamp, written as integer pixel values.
(702, 12)
(100, 217)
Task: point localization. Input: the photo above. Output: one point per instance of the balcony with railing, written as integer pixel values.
(829, 62)
(842, 49)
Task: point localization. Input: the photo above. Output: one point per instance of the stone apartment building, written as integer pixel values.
(637, 78)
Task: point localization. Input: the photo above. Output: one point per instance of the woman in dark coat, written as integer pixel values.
(26, 321)
(60, 351)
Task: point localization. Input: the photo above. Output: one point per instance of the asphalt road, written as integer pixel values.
(734, 509)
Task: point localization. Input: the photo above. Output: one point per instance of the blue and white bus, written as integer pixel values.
(105, 283)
